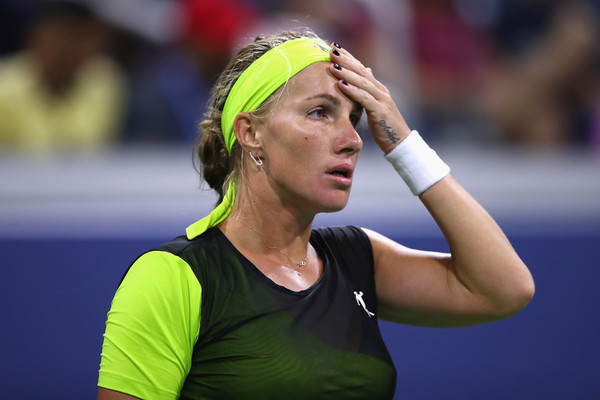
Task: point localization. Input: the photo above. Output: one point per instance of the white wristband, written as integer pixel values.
(417, 163)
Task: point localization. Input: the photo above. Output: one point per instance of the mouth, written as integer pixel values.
(342, 173)
(338, 172)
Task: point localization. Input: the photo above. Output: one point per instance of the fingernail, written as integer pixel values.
(335, 52)
(337, 45)
(344, 82)
(337, 67)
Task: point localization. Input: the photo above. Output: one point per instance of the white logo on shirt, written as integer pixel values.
(361, 302)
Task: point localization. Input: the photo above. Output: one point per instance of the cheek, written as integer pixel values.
(294, 146)
(295, 162)
(289, 139)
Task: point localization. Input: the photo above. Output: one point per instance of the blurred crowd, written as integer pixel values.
(87, 74)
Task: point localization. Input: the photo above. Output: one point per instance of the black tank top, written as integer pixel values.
(259, 340)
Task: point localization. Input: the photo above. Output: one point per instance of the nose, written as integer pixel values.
(348, 139)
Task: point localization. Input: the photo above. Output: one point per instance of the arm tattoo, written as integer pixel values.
(389, 131)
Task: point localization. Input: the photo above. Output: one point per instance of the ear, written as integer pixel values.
(246, 133)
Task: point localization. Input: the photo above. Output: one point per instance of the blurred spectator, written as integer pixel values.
(543, 88)
(60, 91)
(451, 55)
(170, 91)
(516, 71)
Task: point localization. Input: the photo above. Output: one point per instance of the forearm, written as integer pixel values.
(483, 260)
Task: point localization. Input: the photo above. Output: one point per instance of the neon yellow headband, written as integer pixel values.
(259, 81)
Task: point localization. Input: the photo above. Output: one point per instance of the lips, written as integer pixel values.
(342, 173)
(344, 170)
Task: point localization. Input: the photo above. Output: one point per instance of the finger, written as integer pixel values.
(385, 122)
(358, 94)
(346, 60)
(375, 99)
(360, 82)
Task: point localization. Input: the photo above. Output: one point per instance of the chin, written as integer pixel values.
(334, 206)
(327, 201)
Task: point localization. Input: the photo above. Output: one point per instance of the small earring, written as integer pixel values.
(258, 162)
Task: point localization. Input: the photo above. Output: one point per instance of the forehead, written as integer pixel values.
(312, 81)
(316, 74)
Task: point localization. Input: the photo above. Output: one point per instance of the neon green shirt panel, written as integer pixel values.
(151, 329)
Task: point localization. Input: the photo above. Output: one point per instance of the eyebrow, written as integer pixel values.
(356, 109)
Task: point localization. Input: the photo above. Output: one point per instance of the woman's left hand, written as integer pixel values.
(358, 83)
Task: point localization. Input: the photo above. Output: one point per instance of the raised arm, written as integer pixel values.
(482, 279)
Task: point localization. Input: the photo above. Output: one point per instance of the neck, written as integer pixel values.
(261, 227)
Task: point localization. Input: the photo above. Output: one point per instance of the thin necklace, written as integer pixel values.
(299, 264)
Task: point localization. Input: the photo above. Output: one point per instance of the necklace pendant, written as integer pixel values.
(301, 264)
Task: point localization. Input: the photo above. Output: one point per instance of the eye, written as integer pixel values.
(317, 113)
(355, 119)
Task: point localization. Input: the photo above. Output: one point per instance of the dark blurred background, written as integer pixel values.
(99, 102)
(87, 74)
